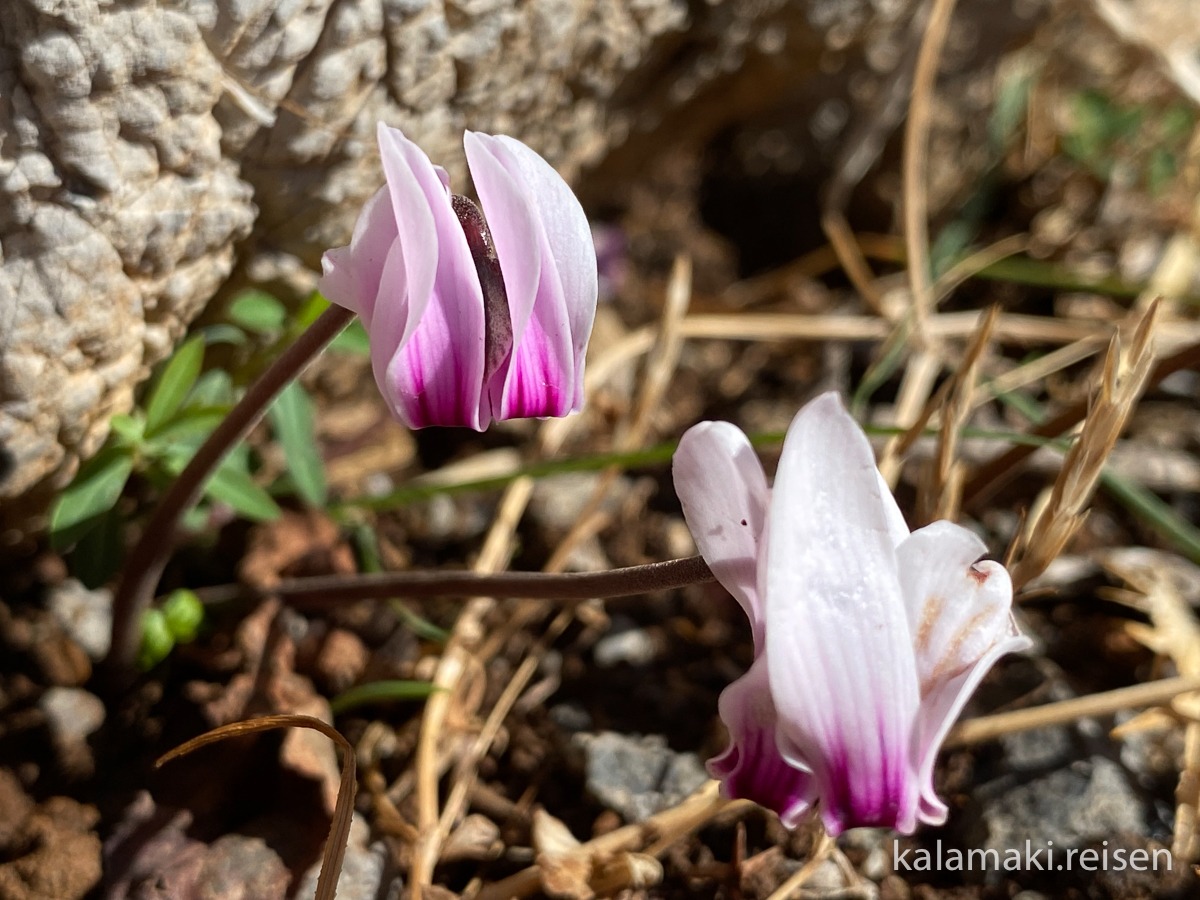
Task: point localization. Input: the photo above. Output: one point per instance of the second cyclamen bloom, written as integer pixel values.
(868, 639)
(471, 316)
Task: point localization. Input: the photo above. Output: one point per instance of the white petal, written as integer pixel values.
(896, 526)
(962, 624)
(724, 494)
(955, 611)
(840, 660)
(942, 706)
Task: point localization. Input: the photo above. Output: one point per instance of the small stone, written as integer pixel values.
(636, 647)
(236, 866)
(363, 869)
(571, 717)
(637, 775)
(72, 713)
(84, 614)
(341, 660)
(1089, 799)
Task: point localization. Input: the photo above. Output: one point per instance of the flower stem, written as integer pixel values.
(328, 590)
(145, 565)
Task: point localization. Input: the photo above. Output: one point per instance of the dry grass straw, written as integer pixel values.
(1042, 367)
(658, 831)
(1173, 632)
(991, 476)
(791, 887)
(1105, 703)
(1060, 514)
(921, 373)
(940, 493)
(916, 159)
(853, 261)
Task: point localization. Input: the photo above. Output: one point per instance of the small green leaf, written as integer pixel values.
(1155, 512)
(231, 485)
(257, 311)
(292, 418)
(419, 625)
(214, 388)
(1010, 107)
(157, 640)
(380, 692)
(173, 384)
(128, 429)
(184, 614)
(94, 492)
(223, 333)
(190, 428)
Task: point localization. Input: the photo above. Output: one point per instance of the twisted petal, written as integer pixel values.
(723, 490)
(436, 375)
(752, 767)
(352, 274)
(840, 662)
(552, 308)
(959, 613)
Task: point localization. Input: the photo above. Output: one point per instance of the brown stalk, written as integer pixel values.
(330, 590)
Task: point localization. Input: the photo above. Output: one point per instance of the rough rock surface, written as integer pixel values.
(152, 151)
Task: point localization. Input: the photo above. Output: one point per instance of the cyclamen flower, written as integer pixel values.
(470, 320)
(868, 640)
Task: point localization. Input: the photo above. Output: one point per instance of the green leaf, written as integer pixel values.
(94, 492)
(189, 428)
(173, 384)
(292, 418)
(1010, 107)
(157, 640)
(380, 692)
(353, 339)
(1155, 512)
(223, 333)
(215, 388)
(128, 429)
(257, 311)
(184, 614)
(419, 625)
(98, 555)
(232, 485)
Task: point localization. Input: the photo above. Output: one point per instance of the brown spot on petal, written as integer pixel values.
(934, 609)
(980, 576)
(950, 663)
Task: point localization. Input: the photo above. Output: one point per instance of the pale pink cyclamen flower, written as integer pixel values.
(470, 321)
(868, 640)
